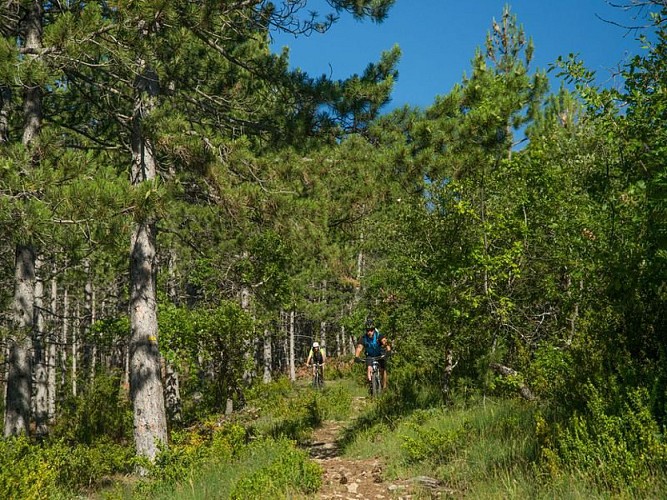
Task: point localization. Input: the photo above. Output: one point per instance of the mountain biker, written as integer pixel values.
(317, 356)
(374, 344)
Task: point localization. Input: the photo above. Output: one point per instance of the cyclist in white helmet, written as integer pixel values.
(318, 356)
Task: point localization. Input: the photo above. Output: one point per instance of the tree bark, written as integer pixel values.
(52, 355)
(172, 392)
(172, 380)
(323, 336)
(17, 408)
(5, 101)
(75, 350)
(506, 371)
(150, 421)
(292, 337)
(268, 356)
(63, 340)
(39, 357)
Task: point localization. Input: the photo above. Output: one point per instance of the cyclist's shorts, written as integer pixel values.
(381, 362)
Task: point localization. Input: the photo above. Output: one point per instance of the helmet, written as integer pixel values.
(370, 324)
(316, 344)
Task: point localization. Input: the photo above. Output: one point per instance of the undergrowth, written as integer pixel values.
(504, 448)
(473, 446)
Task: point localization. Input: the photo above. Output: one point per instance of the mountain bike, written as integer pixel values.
(318, 380)
(376, 379)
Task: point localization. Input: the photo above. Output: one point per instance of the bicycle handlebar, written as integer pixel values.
(373, 358)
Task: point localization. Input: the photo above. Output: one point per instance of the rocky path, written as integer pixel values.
(351, 478)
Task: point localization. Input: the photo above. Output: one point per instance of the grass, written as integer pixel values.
(479, 449)
(486, 451)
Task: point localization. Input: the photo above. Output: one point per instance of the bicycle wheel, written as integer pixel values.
(376, 385)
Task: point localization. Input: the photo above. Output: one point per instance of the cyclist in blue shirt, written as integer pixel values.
(373, 344)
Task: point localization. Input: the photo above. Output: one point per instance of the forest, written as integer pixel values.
(183, 215)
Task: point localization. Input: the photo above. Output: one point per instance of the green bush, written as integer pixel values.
(430, 444)
(49, 470)
(265, 468)
(276, 469)
(614, 447)
(189, 452)
(102, 411)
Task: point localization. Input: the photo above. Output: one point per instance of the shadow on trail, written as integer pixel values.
(397, 402)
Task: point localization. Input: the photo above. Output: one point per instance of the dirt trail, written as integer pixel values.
(349, 478)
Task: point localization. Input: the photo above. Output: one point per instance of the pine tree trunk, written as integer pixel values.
(39, 357)
(172, 380)
(52, 355)
(267, 356)
(323, 335)
(292, 337)
(75, 349)
(339, 343)
(18, 397)
(172, 393)
(5, 101)
(248, 347)
(17, 409)
(150, 421)
(86, 323)
(92, 341)
(64, 333)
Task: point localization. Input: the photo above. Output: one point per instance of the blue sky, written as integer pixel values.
(438, 39)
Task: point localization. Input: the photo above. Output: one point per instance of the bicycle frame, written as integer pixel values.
(318, 383)
(375, 382)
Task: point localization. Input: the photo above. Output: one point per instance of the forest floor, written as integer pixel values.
(350, 478)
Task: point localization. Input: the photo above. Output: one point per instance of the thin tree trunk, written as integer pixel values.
(52, 355)
(172, 380)
(75, 350)
(323, 336)
(5, 102)
(267, 356)
(248, 347)
(86, 323)
(39, 357)
(447, 372)
(292, 337)
(284, 337)
(339, 343)
(91, 339)
(150, 421)
(172, 393)
(63, 340)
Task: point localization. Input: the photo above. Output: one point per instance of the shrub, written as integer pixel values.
(615, 447)
(432, 444)
(34, 471)
(276, 468)
(101, 411)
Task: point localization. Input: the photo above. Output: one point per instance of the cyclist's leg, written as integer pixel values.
(383, 372)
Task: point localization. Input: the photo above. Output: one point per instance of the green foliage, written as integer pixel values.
(214, 336)
(276, 468)
(55, 469)
(190, 451)
(430, 443)
(264, 468)
(102, 411)
(613, 445)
